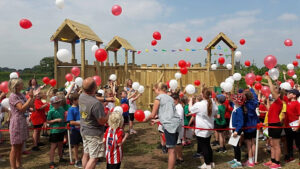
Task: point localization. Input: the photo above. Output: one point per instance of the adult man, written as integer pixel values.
(92, 120)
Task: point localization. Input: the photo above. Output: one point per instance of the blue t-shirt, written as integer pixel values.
(73, 115)
(125, 101)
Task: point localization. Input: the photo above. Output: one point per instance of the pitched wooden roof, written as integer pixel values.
(118, 42)
(218, 38)
(70, 31)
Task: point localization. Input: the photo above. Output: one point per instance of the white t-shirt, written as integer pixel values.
(180, 112)
(202, 119)
(110, 105)
(132, 106)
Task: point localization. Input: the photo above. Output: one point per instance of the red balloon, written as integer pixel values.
(125, 107)
(97, 79)
(181, 94)
(258, 78)
(298, 56)
(213, 94)
(291, 72)
(18, 74)
(69, 77)
(188, 64)
(46, 80)
(168, 83)
(291, 82)
(154, 42)
(288, 42)
(199, 39)
(25, 23)
(221, 60)
(278, 82)
(250, 78)
(184, 70)
(258, 86)
(4, 87)
(157, 35)
(116, 10)
(295, 63)
(101, 55)
(139, 115)
(197, 82)
(52, 82)
(188, 39)
(265, 90)
(267, 73)
(247, 63)
(270, 61)
(75, 71)
(242, 41)
(182, 63)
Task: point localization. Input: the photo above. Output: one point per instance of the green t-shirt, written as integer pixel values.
(57, 114)
(186, 118)
(65, 107)
(221, 112)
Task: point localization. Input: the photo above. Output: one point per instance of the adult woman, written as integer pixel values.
(32, 84)
(18, 127)
(205, 111)
(165, 108)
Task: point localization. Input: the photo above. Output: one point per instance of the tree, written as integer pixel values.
(47, 65)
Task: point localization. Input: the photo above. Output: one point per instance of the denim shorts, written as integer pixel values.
(171, 139)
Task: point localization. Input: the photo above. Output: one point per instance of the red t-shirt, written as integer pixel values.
(262, 107)
(228, 109)
(113, 152)
(274, 111)
(38, 116)
(292, 112)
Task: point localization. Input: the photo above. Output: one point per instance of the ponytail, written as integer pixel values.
(207, 97)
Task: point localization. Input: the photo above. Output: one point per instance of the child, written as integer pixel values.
(114, 138)
(132, 108)
(74, 119)
(187, 119)
(56, 119)
(124, 100)
(237, 122)
(221, 123)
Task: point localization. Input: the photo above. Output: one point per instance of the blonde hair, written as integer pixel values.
(13, 83)
(161, 86)
(115, 120)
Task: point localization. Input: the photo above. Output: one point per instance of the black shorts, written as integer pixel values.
(251, 135)
(220, 127)
(56, 137)
(275, 132)
(126, 119)
(113, 166)
(171, 139)
(227, 122)
(38, 126)
(131, 116)
(75, 137)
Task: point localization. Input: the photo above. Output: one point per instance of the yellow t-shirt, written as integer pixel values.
(117, 102)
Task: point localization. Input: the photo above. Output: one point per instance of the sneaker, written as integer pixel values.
(213, 165)
(164, 149)
(26, 152)
(41, 144)
(275, 166)
(215, 143)
(248, 164)
(197, 155)
(291, 159)
(52, 165)
(132, 131)
(36, 148)
(221, 150)
(268, 164)
(62, 160)
(231, 162)
(202, 166)
(78, 164)
(237, 165)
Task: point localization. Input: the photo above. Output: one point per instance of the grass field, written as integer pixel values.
(140, 152)
(4, 76)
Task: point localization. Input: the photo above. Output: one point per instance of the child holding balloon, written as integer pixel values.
(132, 109)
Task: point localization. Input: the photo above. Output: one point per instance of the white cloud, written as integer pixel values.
(288, 17)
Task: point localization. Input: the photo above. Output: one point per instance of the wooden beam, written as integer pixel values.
(133, 57)
(73, 52)
(116, 58)
(126, 63)
(107, 60)
(208, 63)
(232, 61)
(55, 59)
(83, 58)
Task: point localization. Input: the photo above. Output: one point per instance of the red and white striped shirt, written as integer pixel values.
(113, 152)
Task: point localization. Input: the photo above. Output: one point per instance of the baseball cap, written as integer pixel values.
(100, 91)
(54, 99)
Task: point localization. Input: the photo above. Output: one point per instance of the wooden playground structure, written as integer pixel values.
(70, 31)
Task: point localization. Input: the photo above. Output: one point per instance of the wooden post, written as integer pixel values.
(107, 60)
(83, 58)
(116, 58)
(133, 58)
(97, 63)
(232, 61)
(55, 60)
(73, 52)
(126, 63)
(208, 63)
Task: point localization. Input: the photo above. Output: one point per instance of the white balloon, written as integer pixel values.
(222, 85)
(94, 48)
(64, 55)
(213, 66)
(5, 103)
(294, 76)
(237, 76)
(173, 84)
(238, 55)
(147, 113)
(229, 66)
(177, 75)
(113, 77)
(141, 89)
(290, 66)
(135, 85)
(227, 87)
(13, 75)
(273, 73)
(60, 4)
(286, 86)
(190, 89)
(229, 80)
(118, 109)
(78, 81)
(100, 91)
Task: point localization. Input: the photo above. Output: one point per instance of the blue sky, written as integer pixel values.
(265, 24)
